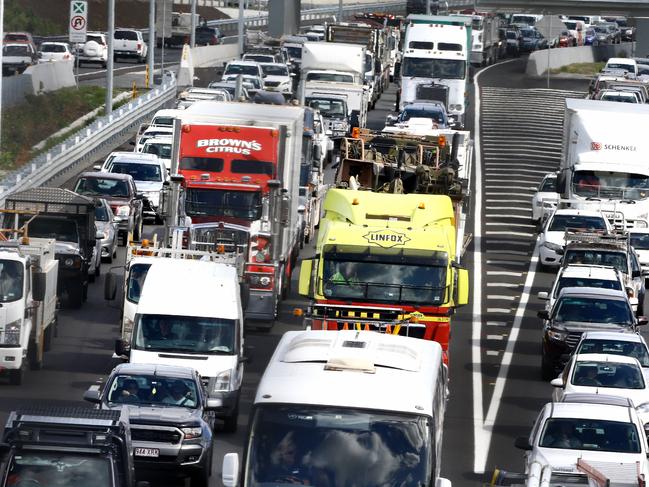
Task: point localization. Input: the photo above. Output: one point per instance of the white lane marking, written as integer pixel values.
(492, 352)
(518, 234)
(509, 201)
(507, 224)
(496, 323)
(520, 188)
(509, 242)
(499, 310)
(504, 273)
(498, 168)
(495, 337)
(502, 284)
(505, 262)
(501, 296)
(500, 215)
(509, 208)
(508, 252)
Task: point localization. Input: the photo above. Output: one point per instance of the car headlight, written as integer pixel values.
(123, 210)
(12, 333)
(339, 125)
(554, 247)
(457, 108)
(68, 262)
(222, 381)
(556, 334)
(191, 433)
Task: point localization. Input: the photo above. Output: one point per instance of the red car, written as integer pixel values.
(566, 39)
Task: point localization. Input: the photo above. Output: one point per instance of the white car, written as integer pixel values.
(245, 68)
(593, 373)
(151, 132)
(164, 118)
(107, 227)
(640, 242)
(277, 78)
(149, 174)
(593, 428)
(160, 147)
(55, 51)
(552, 240)
(576, 275)
(622, 63)
(615, 343)
(94, 50)
(545, 199)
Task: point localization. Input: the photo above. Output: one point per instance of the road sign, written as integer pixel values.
(78, 20)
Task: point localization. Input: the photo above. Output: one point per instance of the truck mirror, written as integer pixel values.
(230, 470)
(305, 278)
(92, 394)
(523, 443)
(543, 314)
(110, 287)
(122, 348)
(317, 153)
(244, 290)
(462, 287)
(561, 182)
(38, 286)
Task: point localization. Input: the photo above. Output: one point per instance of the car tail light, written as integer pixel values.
(139, 46)
(260, 277)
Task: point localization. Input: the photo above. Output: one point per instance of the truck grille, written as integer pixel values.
(172, 436)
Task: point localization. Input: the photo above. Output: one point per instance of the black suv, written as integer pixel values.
(171, 428)
(575, 311)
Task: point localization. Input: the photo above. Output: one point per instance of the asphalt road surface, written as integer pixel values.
(495, 385)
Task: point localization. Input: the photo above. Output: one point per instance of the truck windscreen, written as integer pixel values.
(216, 202)
(185, 334)
(35, 468)
(378, 281)
(414, 67)
(330, 77)
(609, 184)
(11, 289)
(59, 228)
(335, 446)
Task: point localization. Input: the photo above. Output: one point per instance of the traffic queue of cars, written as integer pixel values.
(592, 217)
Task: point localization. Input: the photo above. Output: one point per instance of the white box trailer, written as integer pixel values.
(604, 159)
(28, 285)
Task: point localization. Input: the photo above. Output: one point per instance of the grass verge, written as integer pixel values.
(28, 123)
(590, 69)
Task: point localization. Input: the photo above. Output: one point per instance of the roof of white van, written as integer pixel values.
(357, 369)
(190, 288)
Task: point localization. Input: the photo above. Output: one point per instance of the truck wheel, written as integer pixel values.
(75, 295)
(47, 337)
(17, 377)
(32, 353)
(98, 269)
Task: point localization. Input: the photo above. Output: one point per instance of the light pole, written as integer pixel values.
(152, 42)
(241, 27)
(111, 48)
(2, 36)
(192, 35)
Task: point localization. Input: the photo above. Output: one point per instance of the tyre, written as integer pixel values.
(75, 295)
(547, 369)
(47, 337)
(230, 423)
(17, 377)
(98, 269)
(91, 277)
(137, 232)
(32, 353)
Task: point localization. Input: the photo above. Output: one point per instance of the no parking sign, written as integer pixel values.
(78, 20)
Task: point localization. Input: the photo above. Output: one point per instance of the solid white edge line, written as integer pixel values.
(481, 435)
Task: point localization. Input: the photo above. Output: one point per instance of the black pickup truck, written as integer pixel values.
(67, 446)
(69, 218)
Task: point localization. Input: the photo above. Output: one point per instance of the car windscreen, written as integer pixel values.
(274, 69)
(16, 51)
(101, 214)
(615, 347)
(128, 35)
(215, 202)
(609, 374)
(586, 282)
(260, 58)
(136, 277)
(139, 172)
(53, 48)
(58, 228)
(562, 222)
(163, 121)
(249, 69)
(590, 434)
(413, 67)
(11, 289)
(327, 446)
(593, 310)
(185, 334)
(549, 185)
(115, 188)
(330, 77)
(163, 151)
(328, 107)
(437, 115)
(153, 390)
(639, 241)
(613, 258)
(60, 469)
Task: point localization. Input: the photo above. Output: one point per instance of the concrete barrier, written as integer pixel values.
(538, 62)
(203, 57)
(36, 79)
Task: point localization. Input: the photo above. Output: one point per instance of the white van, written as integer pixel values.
(353, 407)
(189, 313)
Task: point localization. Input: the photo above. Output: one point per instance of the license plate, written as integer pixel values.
(147, 452)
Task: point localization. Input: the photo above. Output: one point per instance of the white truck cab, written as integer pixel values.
(189, 313)
(354, 407)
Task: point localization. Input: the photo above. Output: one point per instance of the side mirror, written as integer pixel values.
(92, 394)
(110, 287)
(523, 443)
(543, 295)
(462, 287)
(317, 152)
(558, 382)
(642, 320)
(292, 75)
(544, 314)
(213, 403)
(305, 277)
(122, 348)
(230, 470)
(329, 133)
(390, 119)
(38, 286)
(96, 167)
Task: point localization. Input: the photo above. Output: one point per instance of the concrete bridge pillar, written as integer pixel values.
(283, 17)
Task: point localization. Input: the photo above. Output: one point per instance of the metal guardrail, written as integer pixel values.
(82, 146)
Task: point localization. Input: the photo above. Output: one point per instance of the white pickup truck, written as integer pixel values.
(129, 43)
